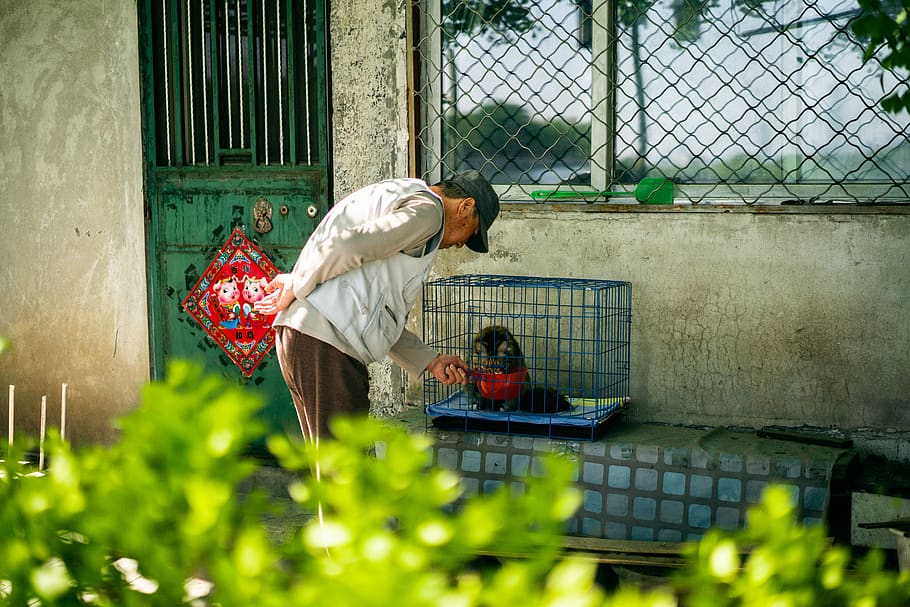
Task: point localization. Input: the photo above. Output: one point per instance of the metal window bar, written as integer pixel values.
(735, 101)
(232, 83)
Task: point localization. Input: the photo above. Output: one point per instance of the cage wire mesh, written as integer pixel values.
(574, 341)
(735, 101)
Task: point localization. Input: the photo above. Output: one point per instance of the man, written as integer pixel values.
(346, 302)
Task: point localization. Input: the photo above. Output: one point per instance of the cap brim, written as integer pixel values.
(478, 242)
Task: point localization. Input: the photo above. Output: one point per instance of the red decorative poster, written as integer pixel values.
(222, 301)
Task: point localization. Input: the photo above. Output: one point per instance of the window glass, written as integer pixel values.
(742, 101)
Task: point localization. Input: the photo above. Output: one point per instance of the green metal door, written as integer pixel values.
(234, 109)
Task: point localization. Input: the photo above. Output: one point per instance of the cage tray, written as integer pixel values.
(588, 419)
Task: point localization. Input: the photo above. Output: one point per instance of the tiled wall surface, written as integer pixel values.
(653, 483)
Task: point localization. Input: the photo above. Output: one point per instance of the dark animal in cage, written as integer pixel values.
(549, 356)
(500, 380)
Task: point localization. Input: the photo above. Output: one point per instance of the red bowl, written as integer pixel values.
(501, 385)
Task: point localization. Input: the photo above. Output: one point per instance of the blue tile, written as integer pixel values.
(470, 461)
(495, 463)
(699, 516)
(615, 531)
(729, 489)
(596, 448)
(542, 444)
(700, 458)
(498, 440)
(523, 442)
(642, 534)
(674, 483)
(520, 464)
(622, 451)
(593, 501)
(537, 467)
(672, 511)
(727, 518)
(817, 471)
(814, 498)
(755, 490)
(646, 479)
(669, 535)
(590, 527)
(474, 439)
(470, 486)
(648, 454)
(447, 458)
(490, 486)
(644, 508)
(676, 456)
(787, 467)
(617, 504)
(701, 486)
(593, 473)
(618, 477)
(758, 465)
(731, 462)
(794, 494)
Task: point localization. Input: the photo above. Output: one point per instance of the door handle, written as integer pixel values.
(262, 216)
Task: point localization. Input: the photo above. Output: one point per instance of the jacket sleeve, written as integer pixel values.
(411, 354)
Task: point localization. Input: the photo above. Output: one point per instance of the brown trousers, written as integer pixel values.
(324, 382)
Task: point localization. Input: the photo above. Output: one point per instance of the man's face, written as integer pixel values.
(462, 223)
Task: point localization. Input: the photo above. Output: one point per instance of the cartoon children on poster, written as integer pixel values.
(235, 304)
(223, 298)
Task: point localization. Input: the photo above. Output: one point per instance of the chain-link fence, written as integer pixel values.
(735, 101)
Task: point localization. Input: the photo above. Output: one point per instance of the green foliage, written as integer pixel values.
(163, 495)
(385, 526)
(395, 531)
(884, 29)
(498, 20)
(785, 564)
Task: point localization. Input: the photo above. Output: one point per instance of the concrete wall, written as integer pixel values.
(740, 318)
(72, 280)
(369, 123)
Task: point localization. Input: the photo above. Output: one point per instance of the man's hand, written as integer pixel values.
(280, 295)
(449, 369)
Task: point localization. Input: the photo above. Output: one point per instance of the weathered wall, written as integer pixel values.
(739, 318)
(369, 122)
(72, 281)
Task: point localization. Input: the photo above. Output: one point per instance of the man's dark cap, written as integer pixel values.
(486, 201)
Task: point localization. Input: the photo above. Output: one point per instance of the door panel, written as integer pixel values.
(234, 114)
(194, 225)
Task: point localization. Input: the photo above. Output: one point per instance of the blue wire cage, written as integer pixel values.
(574, 337)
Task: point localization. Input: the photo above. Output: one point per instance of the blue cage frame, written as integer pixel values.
(574, 334)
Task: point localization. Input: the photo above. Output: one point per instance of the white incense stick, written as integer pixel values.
(12, 390)
(41, 439)
(63, 414)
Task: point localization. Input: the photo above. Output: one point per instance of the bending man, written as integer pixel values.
(346, 302)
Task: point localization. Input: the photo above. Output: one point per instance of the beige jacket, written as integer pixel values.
(366, 232)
